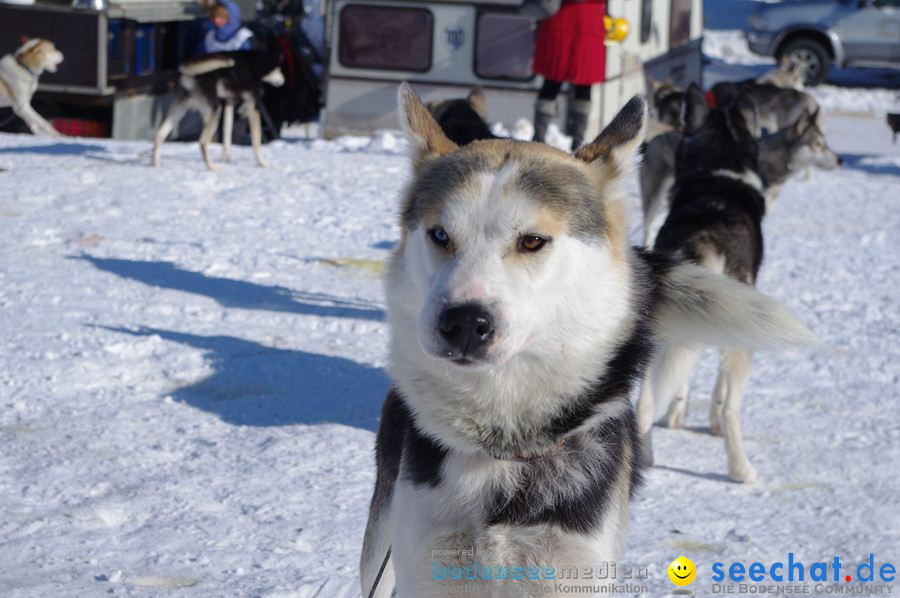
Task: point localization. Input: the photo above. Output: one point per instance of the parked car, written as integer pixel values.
(825, 32)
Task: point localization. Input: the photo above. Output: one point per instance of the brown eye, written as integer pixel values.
(531, 243)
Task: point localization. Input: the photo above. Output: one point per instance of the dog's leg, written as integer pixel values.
(249, 111)
(210, 124)
(736, 369)
(227, 126)
(646, 409)
(653, 196)
(256, 132)
(677, 411)
(671, 374)
(717, 402)
(35, 122)
(173, 116)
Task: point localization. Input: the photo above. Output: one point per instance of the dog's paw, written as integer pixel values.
(212, 167)
(262, 162)
(744, 474)
(674, 420)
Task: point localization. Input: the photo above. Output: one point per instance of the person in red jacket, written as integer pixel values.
(569, 48)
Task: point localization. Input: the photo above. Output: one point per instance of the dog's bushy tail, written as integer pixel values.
(202, 66)
(701, 308)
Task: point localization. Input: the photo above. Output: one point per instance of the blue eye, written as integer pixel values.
(439, 236)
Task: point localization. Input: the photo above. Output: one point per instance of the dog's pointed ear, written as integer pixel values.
(694, 109)
(700, 307)
(424, 134)
(615, 146)
(478, 102)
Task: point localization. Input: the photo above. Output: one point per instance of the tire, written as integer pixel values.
(812, 52)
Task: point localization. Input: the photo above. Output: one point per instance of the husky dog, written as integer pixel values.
(715, 221)
(230, 77)
(19, 74)
(519, 319)
(776, 107)
(792, 149)
(666, 104)
(781, 155)
(789, 74)
(463, 121)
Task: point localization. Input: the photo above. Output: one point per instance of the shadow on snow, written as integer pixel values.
(235, 293)
(256, 385)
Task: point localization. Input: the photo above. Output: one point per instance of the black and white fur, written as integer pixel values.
(234, 78)
(783, 154)
(715, 221)
(463, 120)
(519, 320)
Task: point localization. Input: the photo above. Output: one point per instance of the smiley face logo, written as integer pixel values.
(682, 571)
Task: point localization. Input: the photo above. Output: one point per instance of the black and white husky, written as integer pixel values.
(519, 319)
(783, 154)
(234, 78)
(715, 221)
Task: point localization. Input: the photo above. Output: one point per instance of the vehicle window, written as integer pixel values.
(385, 37)
(504, 45)
(680, 23)
(646, 20)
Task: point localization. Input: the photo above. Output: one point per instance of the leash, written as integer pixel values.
(380, 573)
(25, 66)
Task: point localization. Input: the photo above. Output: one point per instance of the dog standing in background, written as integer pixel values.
(234, 78)
(783, 154)
(19, 73)
(715, 221)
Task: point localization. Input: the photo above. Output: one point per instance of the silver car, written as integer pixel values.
(825, 32)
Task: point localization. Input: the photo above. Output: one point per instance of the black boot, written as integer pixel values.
(544, 113)
(577, 120)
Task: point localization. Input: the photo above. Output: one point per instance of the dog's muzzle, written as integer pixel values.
(466, 331)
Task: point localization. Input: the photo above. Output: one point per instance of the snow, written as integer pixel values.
(192, 362)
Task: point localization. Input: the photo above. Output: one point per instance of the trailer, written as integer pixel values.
(444, 48)
(121, 62)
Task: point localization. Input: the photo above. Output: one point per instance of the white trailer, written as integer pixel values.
(445, 48)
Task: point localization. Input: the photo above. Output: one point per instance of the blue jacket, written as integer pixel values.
(231, 36)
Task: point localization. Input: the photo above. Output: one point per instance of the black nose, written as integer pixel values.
(840, 161)
(466, 329)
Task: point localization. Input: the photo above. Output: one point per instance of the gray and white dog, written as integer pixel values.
(788, 74)
(519, 319)
(19, 73)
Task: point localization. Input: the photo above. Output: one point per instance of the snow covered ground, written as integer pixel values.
(191, 373)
